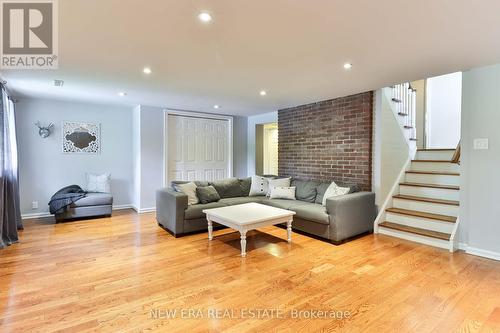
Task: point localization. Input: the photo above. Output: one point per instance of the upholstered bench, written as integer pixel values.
(93, 204)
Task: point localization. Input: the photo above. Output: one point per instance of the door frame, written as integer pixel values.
(184, 113)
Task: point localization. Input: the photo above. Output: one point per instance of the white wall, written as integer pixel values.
(264, 118)
(444, 98)
(420, 87)
(390, 148)
(480, 176)
(152, 152)
(44, 169)
(136, 156)
(240, 146)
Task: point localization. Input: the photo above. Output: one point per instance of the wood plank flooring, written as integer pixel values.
(123, 274)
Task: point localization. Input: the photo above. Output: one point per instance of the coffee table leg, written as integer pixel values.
(289, 231)
(243, 242)
(210, 230)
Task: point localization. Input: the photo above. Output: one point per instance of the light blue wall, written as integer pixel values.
(252, 121)
(43, 167)
(152, 152)
(480, 177)
(240, 146)
(132, 151)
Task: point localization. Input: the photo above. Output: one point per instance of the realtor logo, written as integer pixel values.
(29, 34)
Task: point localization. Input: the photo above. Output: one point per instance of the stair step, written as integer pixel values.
(446, 187)
(431, 200)
(439, 217)
(431, 161)
(443, 173)
(435, 149)
(417, 231)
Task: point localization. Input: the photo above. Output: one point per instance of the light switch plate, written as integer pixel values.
(481, 143)
(34, 205)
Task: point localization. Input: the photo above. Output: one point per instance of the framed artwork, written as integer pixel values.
(81, 137)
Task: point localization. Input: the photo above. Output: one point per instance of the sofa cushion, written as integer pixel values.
(245, 184)
(227, 188)
(240, 200)
(196, 211)
(94, 199)
(281, 203)
(320, 190)
(305, 189)
(312, 212)
(207, 194)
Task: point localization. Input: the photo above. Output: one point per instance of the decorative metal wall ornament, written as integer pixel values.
(80, 137)
(44, 131)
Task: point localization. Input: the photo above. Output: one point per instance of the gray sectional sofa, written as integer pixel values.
(343, 217)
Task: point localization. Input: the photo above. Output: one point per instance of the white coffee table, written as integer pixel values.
(247, 217)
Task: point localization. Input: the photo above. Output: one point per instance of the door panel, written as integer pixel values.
(197, 148)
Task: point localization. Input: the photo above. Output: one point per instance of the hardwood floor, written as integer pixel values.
(123, 273)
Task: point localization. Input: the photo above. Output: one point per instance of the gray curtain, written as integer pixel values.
(10, 212)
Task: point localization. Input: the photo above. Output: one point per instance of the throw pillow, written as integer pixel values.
(207, 194)
(245, 184)
(227, 188)
(189, 189)
(99, 183)
(280, 182)
(280, 192)
(333, 191)
(260, 186)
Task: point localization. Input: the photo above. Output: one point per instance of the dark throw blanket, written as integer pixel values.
(65, 197)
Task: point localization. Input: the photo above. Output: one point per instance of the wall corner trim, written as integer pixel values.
(479, 252)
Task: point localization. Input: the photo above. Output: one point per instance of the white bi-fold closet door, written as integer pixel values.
(198, 148)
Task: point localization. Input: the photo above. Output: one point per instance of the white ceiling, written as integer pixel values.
(294, 49)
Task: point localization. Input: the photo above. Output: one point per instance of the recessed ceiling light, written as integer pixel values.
(216, 106)
(122, 94)
(263, 93)
(347, 65)
(204, 17)
(146, 70)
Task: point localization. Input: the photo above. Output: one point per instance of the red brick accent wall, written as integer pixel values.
(329, 140)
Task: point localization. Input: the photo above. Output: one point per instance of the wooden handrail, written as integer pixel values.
(456, 155)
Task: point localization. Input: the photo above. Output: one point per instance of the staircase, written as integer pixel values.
(425, 205)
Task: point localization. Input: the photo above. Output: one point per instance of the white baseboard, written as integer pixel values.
(121, 207)
(35, 215)
(47, 214)
(483, 253)
(479, 252)
(144, 210)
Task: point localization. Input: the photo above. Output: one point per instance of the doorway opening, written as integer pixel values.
(443, 108)
(266, 149)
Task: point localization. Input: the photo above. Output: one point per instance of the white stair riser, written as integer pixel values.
(446, 155)
(427, 207)
(415, 238)
(418, 222)
(435, 166)
(429, 192)
(432, 179)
